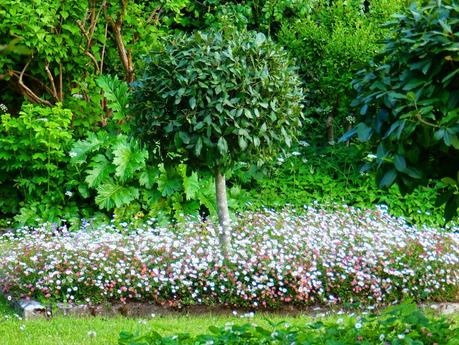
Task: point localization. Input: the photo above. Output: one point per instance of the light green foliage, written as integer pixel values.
(71, 43)
(409, 98)
(34, 162)
(123, 180)
(213, 99)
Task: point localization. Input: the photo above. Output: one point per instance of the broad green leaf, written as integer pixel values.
(128, 159)
(111, 195)
(191, 185)
(168, 185)
(388, 178)
(222, 146)
(99, 171)
(399, 163)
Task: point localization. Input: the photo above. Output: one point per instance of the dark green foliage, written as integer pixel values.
(213, 99)
(409, 98)
(403, 324)
(330, 45)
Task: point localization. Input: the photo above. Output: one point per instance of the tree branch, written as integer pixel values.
(28, 92)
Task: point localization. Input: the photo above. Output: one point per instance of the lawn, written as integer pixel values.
(70, 330)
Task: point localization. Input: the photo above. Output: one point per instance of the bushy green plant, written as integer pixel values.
(330, 176)
(35, 180)
(403, 324)
(119, 176)
(212, 99)
(409, 98)
(330, 45)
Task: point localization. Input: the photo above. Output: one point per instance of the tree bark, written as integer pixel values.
(223, 212)
(330, 129)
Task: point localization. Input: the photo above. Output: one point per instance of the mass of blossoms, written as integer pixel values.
(295, 256)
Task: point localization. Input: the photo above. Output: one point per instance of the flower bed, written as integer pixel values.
(301, 257)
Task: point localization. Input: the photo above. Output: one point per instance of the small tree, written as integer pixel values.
(409, 98)
(213, 99)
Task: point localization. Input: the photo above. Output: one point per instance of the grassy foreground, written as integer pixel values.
(98, 330)
(103, 331)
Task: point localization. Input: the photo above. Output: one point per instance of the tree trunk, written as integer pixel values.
(330, 130)
(223, 213)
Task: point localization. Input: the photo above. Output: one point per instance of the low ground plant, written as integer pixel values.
(302, 257)
(334, 174)
(403, 324)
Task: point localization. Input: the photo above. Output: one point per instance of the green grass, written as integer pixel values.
(72, 331)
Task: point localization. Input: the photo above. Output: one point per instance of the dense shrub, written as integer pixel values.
(409, 98)
(330, 45)
(34, 164)
(303, 257)
(212, 99)
(403, 324)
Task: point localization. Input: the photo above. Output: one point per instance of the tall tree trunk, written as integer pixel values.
(330, 129)
(223, 212)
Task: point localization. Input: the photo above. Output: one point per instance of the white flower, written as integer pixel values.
(401, 336)
(22, 327)
(358, 325)
(69, 193)
(381, 337)
(371, 156)
(92, 334)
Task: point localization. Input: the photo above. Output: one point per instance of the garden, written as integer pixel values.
(229, 172)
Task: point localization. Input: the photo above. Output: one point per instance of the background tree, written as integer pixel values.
(409, 98)
(212, 99)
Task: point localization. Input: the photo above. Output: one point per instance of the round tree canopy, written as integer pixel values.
(211, 99)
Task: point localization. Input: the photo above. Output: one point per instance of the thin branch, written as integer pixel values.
(103, 49)
(28, 92)
(14, 73)
(420, 119)
(51, 79)
(61, 84)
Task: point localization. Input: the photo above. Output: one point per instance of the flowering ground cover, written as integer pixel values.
(300, 257)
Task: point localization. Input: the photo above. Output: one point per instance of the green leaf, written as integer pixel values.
(148, 177)
(111, 195)
(117, 94)
(363, 131)
(192, 102)
(82, 148)
(198, 147)
(191, 185)
(168, 185)
(242, 142)
(128, 159)
(388, 178)
(222, 146)
(449, 181)
(399, 163)
(99, 171)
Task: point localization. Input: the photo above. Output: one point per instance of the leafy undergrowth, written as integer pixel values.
(302, 257)
(402, 324)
